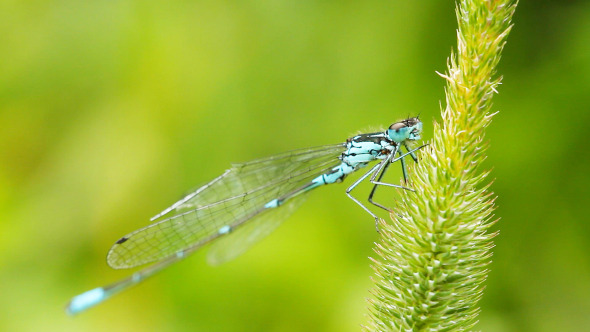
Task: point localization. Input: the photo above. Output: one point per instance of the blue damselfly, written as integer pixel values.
(250, 200)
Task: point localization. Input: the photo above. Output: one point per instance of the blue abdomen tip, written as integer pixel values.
(85, 300)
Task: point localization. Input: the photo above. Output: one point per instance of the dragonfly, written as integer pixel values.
(249, 200)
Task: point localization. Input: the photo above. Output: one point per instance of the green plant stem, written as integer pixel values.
(432, 259)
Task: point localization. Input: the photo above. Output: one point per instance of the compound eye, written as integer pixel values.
(397, 126)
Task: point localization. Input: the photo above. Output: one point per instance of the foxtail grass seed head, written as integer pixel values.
(432, 259)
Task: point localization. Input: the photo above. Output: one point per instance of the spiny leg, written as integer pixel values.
(375, 189)
(381, 171)
(401, 157)
(356, 183)
(412, 154)
(403, 162)
(377, 180)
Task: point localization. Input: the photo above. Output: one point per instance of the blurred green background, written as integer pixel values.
(111, 110)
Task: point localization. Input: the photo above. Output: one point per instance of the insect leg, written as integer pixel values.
(375, 189)
(373, 181)
(361, 179)
(404, 170)
(381, 171)
(412, 154)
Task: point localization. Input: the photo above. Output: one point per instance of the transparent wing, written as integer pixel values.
(228, 201)
(231, 246)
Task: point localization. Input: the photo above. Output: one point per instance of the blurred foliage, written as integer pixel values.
(111, 110)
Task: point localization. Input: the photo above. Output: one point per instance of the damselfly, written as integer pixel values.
(248, 201)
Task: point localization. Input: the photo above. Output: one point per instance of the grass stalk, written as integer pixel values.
(432, 259)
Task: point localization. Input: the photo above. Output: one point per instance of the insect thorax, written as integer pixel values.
(365, 148)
